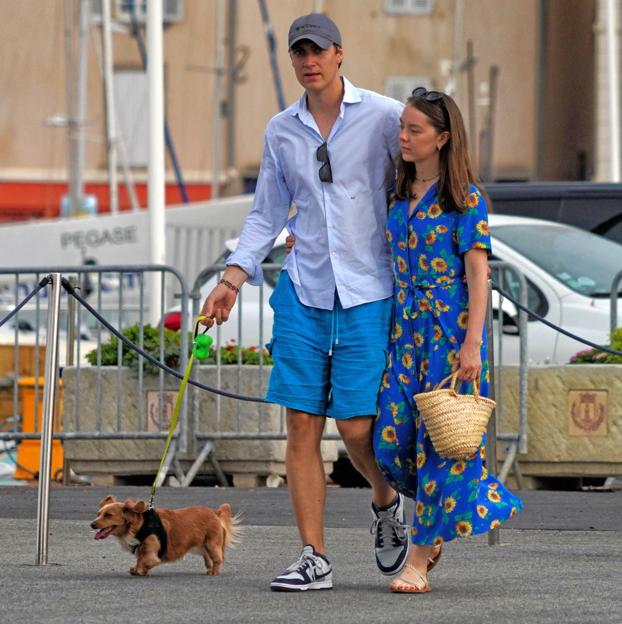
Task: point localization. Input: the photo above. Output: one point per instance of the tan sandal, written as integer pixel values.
(401, 586)
(432, 561)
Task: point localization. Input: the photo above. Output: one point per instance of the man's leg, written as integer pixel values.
(356, 434)
(389, 528)
(306, 480)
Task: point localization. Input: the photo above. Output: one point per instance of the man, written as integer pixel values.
(332, 155)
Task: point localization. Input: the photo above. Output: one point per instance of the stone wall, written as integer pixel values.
(574, 419)
(258, 458)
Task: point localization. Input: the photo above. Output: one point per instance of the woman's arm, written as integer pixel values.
(469, 358)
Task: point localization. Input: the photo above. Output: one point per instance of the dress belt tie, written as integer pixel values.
(410, 305)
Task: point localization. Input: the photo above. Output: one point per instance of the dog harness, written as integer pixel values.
(152, 525)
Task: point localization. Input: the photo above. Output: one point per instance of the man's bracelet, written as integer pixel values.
(229, 285)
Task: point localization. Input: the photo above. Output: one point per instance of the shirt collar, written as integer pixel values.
(351, 95)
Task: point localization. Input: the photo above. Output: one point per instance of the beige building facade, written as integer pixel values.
(543, 49)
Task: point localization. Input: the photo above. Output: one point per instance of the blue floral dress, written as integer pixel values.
(453, 498)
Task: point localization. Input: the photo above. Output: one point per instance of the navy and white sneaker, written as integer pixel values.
(311, 571)
(391, 532)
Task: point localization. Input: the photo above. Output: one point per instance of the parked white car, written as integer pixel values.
(568, 271)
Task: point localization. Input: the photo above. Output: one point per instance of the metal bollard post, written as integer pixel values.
(491, 434)
(49, 405)
(71, 326)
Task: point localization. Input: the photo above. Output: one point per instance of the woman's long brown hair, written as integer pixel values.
(456, 173)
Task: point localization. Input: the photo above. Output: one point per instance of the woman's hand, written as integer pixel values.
(289, 243)
(469, 362)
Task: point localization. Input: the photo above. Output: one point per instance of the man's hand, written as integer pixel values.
(221, 300)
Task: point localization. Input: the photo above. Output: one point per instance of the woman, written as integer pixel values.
(438, 230)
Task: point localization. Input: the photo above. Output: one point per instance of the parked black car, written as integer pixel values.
(586, 205)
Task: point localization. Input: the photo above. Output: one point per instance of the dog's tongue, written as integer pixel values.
(102, 533)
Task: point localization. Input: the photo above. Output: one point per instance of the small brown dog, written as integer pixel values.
(161, 535)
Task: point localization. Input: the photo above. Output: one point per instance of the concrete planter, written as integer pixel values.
(574, 419)
(248, 461)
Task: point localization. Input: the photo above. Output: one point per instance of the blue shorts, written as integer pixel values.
(306, 376)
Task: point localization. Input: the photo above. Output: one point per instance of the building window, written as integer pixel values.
(172, 11)
(409, 7)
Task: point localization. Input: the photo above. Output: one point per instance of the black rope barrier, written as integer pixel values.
(232, 395)
(552, 325)
(44, 282)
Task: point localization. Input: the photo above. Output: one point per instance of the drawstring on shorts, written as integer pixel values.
(334, 329)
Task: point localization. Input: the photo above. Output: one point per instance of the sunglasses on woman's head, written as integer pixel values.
(430, 96)
(325, 172)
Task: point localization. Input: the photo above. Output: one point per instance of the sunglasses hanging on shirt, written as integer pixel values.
(325, 172)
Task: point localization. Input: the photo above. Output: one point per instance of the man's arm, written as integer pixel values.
(263, 224)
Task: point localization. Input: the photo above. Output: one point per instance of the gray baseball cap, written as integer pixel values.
(317, 27)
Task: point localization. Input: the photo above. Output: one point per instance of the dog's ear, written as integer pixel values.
(107, 501)
(140, 507)
(128, 506)
(136, 507)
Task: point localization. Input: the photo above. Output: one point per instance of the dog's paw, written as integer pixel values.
(133, 571)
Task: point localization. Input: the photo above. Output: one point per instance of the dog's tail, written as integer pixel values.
(231, 525)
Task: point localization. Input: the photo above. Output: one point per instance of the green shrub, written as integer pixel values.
(172, 350)
(594, 356)
(151, 344)
(250, 355)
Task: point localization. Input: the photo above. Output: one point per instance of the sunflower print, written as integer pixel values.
(389, 435)
(429, 487)
(430, 239)
(434, 211)
(452, 498)
(439, 265)
(464, 528)
(407, 361)
(463, 319)
(482, 227)
(449, 504)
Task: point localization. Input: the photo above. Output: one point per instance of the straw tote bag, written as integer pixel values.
(455, 422)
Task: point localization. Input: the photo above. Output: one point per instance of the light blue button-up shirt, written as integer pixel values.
(339, 226)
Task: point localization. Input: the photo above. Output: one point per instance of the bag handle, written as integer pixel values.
(454, 379)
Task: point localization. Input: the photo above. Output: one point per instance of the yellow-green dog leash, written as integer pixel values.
(200, 350)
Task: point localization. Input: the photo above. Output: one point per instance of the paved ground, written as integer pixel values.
(559, 561)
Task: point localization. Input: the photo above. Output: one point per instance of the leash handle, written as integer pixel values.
(176, 410)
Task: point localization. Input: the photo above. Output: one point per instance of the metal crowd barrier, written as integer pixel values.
(224, 419)
(613, 301)
(118, 294)
(516, 442)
